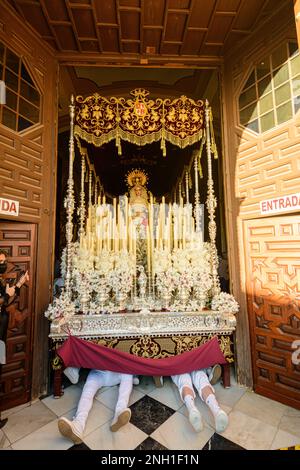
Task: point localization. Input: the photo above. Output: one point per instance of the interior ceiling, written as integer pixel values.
(147, 28)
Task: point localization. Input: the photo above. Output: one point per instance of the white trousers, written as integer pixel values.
(97, 379)
(198, 378)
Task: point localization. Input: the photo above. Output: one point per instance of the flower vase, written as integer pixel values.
(183, 295)
(166, 296)
(121, 299)
(201, 298)
(102, 298)
(84, 303)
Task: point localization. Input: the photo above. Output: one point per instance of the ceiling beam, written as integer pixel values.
(127, 60)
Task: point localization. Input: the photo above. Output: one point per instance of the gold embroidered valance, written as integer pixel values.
(139, 120)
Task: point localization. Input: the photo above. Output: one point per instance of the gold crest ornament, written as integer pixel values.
(136, 176)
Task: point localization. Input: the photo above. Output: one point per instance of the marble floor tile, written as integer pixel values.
(148, 414)
(168, 395)
(45, 438)
(249, 432)
(126, 438)
(109, 396)
(218, 442)
(259, 407)
(229, 396)
(27, 420)
(6, 413)
(67, 402)
(150, 444)
(81, 446)
(289, 411)
(177, 434)
(284, 439)
(99, 415)
(290, 421)
(4, 442)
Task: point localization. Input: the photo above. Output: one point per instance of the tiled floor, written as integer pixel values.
(159, 421)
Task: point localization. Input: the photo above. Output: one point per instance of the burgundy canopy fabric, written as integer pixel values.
(77, 352)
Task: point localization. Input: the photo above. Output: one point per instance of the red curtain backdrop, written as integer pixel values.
(77, 352)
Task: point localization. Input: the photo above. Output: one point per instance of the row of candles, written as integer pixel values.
(116, 227)
(119, 226)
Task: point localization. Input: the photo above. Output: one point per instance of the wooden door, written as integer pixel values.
(18, 240)
(272, 254)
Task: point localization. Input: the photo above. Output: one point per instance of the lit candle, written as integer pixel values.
(148, 252)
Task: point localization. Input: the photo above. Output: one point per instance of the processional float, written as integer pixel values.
(135, 254)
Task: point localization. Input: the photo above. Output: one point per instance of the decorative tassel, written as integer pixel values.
(163, 147)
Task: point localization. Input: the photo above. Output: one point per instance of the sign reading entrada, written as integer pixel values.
(9, 207)
(280, 204)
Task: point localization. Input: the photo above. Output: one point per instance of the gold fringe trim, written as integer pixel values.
(118, 135)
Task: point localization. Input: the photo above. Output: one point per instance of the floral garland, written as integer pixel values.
(61, 309)
(184, 272)
(224, 302)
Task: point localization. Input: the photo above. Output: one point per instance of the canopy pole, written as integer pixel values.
(81, 209)
(197, 195)
(69, 202)
(211, 204)
(187, 189)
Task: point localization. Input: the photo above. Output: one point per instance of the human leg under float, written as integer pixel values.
(122, 412)
(187, 394)
(207, 394)
(74, 429)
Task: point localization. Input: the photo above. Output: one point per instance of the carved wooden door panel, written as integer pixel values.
(18, 240)
(272, 256)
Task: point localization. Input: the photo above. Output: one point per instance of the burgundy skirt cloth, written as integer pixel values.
(77, 352)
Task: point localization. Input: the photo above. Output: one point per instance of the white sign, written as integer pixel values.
(280, 204)
(9, 207)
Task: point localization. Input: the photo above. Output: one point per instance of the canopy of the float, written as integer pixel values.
(139, 120)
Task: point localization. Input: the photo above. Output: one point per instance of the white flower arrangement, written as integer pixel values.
(61, 309)
(83, 260)
(224, 302)
(185, 271)
(162, 261)
(181, 260)
(104, 262)
(120, 279)
(167, 280)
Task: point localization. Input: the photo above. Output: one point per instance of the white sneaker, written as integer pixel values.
(215, 374)
(195, 419)
(120, 419)
(71, 430)
(221, 421)
(135, 381)
(72, 373)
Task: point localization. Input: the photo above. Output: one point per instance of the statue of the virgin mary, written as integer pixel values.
(138, 199)
(138, 204)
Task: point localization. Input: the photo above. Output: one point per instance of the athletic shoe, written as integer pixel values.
(221, 421)
(215, 374)
(71, 430)
(120, 419)
(195, 419)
